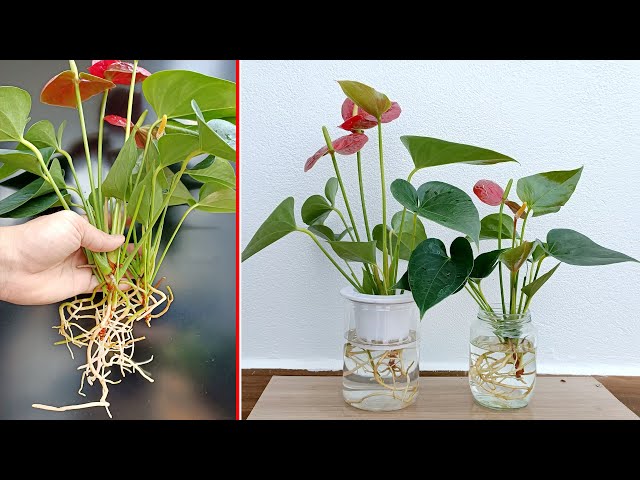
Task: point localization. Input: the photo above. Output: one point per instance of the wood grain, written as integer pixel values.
(318, 396)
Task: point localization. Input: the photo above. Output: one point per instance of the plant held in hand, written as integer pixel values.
(132, 199)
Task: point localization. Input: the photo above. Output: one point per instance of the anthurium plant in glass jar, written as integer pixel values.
(380, 352)
(502, 363)
(194, 117)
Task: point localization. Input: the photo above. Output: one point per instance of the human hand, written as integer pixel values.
(39, 259)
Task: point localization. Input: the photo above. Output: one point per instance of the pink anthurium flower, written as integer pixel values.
(117, 71)
(488, 192)
(363, 120)
(347, 145)
(60, 90)
(118, 121)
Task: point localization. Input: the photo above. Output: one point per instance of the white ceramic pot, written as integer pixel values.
(381, 319)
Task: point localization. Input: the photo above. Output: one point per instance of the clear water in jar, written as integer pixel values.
(502, 372)
(380, 377)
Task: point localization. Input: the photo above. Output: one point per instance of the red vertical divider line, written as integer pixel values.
(238, 411)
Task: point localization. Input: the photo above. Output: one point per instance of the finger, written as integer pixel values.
(97, 240)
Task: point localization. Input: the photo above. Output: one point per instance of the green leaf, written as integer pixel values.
(36, 206)
(450, 207)
(33, 190)
(367, 98)
(181, 194)
(364, 252)
(20, 160)
(514, 258)
(405, 194)
(61, 132)
(330, 190)
(216, 170)
(211, 141)
(368, 283)
(323, 232)
(547, 192)
(170, 93)
(315, 210)
(531, 289)
(42, 134)
(116, 184)
(431, 152)
(539, 250)
(407, 240)
(176, 148)
(15, 105)
(344, 233)
(280, 223)
(489, 226)
(573, 248)
(403, 283)
(485, 264)
(433, 275)
(216, 198)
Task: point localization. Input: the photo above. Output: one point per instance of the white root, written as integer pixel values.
(108, 336)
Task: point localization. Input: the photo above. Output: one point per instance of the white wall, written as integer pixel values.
(548, 115)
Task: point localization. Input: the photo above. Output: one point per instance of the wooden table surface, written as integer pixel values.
(625, 389)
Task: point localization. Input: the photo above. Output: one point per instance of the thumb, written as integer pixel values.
(97, 240)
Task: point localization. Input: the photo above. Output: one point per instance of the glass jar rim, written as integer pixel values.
(497, 316)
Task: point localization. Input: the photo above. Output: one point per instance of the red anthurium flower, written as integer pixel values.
(98, 67)
(60, 90)
(363, 120)
(347, 145)
(117, 71)
(488, 192)
(118, 121)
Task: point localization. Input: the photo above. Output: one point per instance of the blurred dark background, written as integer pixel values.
(193, 344)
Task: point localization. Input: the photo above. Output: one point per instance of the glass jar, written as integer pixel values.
(381, 355)
(502, 359)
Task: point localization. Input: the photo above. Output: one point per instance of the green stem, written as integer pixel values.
(87, 210)
(45, 171)
(385, 254)
(335, 264)
(130, 103)
(103, 109)
(505, 195)
(175, 232)
(344, 222)
(364, 206)
(87, 152)
(528, 302)
(344, 194)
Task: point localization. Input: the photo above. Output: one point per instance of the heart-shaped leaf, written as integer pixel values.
(531, 289)
(408, 241)
(15, 105)
(170, 93)
(280, 223)
(176, 148)
(116, 184)
(210, 140)
(450, 207)
(433, 275)
(485, 264)
(514, 258)
(490, 224)
(216, 170)
(60, 90)
(216, 198)
(315, 210)
(42, 134)
(573, 248)
(331, 189)
(405, 194)
(431, 152)
(367, 98)
(364, 252)
(547, 192)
